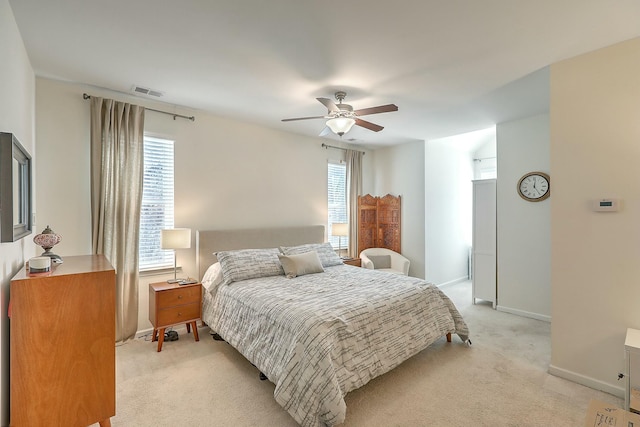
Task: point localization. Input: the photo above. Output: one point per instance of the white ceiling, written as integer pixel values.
(451, 66)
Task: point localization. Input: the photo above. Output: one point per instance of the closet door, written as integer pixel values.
(484, 285)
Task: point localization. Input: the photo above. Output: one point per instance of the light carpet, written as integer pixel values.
(501, 380)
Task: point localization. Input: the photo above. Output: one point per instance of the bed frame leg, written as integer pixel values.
(263, 377)
(217, 337)
(449, 337)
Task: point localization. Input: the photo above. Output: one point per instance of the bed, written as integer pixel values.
(315, 327)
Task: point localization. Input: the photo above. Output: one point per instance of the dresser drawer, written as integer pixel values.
(179, 296)
(178, 314)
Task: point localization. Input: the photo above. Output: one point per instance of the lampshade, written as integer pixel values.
(339, 229)
(340, 125)
(175, 238)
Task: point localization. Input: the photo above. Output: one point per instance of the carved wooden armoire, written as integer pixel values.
(379, 222)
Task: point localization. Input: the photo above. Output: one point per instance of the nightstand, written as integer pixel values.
(356, 262)
(173, 304)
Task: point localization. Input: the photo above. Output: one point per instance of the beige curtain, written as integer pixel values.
(354, 189)
(116, 193)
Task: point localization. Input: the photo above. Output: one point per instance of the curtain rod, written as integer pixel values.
(192, 118)
(339, 148)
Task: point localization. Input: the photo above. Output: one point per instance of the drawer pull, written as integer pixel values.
(179, 296)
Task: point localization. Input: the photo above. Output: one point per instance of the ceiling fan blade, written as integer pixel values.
(325, 131)
(331, 106)
(303, 118)
(375, 110)
(371, 126)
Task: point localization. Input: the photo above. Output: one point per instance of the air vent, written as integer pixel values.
(147, 91)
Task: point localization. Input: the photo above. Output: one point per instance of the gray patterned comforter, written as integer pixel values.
(319, 336)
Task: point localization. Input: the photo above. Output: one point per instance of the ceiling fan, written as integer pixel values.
(341, 117)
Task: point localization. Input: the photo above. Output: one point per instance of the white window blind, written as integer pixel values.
(337, 201)
(157, 203)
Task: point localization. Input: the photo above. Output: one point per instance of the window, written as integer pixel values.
(337, 201)
(157, 203)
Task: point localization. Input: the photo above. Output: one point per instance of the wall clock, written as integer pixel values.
(534, 186)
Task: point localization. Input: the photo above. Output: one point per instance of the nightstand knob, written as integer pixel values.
(179, 296)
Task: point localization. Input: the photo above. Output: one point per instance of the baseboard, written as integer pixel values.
(587, 381)
(144, 332)
(453, 282)
(523, 313)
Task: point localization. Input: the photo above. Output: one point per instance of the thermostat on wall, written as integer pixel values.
(606, 205)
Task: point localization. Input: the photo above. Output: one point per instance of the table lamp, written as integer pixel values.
(339, 229)
(175, 238)
(48, 239)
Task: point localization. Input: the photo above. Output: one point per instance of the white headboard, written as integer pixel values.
(210, 241)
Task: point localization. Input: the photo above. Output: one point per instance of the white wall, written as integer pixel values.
(228, 174)
(17, 86)
(434, 180)
(399, 171)
(524, 228)
(448, 198)
(595, 268)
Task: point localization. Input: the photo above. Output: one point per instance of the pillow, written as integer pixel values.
(249, 264)
(327, 255)
(212, 277)
(380, 261)
(299, 265)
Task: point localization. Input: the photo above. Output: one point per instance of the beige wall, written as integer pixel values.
(595, 268)
(17, 86)
(228, 174)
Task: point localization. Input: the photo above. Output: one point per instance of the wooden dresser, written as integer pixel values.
(62, 345)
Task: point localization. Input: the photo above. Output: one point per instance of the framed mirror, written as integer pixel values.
(15, 189)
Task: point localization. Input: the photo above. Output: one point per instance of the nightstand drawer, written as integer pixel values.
(178, 314)
(179, 296)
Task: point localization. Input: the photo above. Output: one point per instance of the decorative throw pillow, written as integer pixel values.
(380, 261)
(249, 264)
(299, 265)
(327, 255)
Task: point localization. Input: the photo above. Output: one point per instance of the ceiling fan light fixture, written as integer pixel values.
(340, 125)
